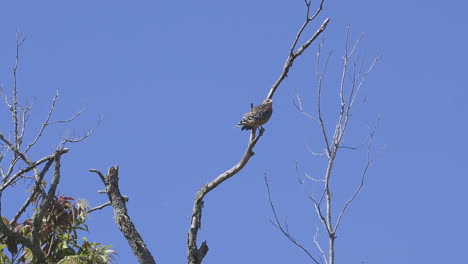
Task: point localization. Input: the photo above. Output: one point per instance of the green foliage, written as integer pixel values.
(58, 237)
(92, 253)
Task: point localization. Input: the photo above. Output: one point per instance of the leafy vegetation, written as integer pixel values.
(59, 230)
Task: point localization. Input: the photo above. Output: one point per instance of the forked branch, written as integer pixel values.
(293, 55)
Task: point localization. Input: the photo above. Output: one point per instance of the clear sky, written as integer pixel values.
(172, 78)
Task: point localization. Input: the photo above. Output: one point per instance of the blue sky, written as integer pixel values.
(172, 78)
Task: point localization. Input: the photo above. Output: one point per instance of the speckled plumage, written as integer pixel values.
(257, 116)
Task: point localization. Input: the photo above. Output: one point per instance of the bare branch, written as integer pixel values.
(195, 254)
(355, 147)
(307, 20)
(24, 118)
(100, 207)
(318, 210)
(66, 140)
(104, 205)
(356, 43)
(363, 175)
(305, 175)
(121, 217)
(324, 153)
(37, 189)
(101, 176)
(5, 98)
(293, 55)
(376, 59)
(29, 168)
(16, 150)
(318, 246)
(14, 109)
(301, 109)
(319, 96)
(276, 222)
(312, 178)
(44, 124)
(70, 119)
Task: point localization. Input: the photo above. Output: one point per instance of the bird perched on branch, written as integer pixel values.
(257, 116)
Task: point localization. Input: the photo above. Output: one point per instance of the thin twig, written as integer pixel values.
(16, 150)
(66, 140)
(44, 124)
(284, 230)
(104, 205)
(317, 244)
(319, 97)
(363, 175)
(301, 109)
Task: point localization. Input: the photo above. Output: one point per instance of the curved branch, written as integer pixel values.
(284, 229)
(363, 176)
(195, 254)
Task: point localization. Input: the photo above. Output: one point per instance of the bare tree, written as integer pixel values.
(17, 167)
(352, 79)
(195, 253)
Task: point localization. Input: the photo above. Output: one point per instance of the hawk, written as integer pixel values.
(257, 116)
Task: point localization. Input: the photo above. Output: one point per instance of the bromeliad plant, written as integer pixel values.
(58, 236)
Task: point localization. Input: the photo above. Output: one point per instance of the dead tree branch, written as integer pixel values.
(121, 217)
(294, 54)
(363, 176)
(284, 229)
(104, 205)
(349, 87)
(195, 253)
(88, 133)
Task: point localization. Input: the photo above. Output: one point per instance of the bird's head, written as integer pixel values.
(268, 101)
